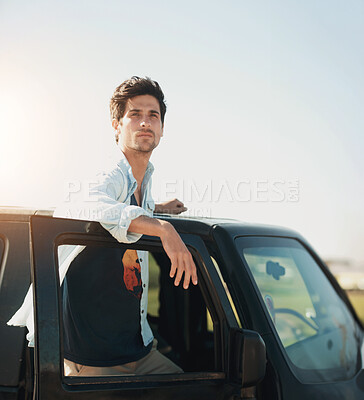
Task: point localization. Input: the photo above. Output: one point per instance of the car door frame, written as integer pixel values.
(46, 234)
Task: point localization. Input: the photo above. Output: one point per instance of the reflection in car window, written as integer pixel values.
(316, 329)
(282, 286)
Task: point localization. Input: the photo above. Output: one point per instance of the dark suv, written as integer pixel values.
(266, 321)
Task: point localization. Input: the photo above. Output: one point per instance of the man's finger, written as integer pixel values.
(173, 268)
(186, 281)
(194, 274)
(178, 204)
(179, 210)
(179, 274)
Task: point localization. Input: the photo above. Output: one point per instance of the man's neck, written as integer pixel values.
(138, 161)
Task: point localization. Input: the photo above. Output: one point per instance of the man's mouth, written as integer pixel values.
(145, 133)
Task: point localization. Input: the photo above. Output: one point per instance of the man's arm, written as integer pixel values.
(105, 203)
(181, 258)
(127, 223)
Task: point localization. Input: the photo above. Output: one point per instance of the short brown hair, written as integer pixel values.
(132, 87)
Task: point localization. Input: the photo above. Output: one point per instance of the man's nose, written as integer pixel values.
(145, 121)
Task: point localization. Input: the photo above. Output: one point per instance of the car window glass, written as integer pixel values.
(281, 291)
(319, 334)
(153, 292)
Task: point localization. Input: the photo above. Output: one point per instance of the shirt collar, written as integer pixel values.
(123, 163)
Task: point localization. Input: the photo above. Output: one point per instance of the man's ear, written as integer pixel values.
(162, 130)
(115, 123)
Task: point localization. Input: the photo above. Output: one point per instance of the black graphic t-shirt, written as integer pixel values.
(101, 308)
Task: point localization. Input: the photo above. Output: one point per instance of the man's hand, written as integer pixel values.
(170, 207)
(181, 258)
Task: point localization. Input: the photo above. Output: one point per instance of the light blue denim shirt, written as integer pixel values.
(108, 202)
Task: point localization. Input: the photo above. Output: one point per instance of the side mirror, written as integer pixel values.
(247, 357)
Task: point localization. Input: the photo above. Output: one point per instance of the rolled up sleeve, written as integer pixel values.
(104, 203)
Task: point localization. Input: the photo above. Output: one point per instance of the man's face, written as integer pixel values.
(141, 127)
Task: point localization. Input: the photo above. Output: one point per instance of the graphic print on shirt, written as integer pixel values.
(132, 273)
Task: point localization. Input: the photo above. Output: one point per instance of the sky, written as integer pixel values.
(264, 102)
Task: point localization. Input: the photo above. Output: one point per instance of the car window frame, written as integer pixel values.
(4, 246)
(83, 234)
(68, 239)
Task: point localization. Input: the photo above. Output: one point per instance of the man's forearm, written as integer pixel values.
(149, 226)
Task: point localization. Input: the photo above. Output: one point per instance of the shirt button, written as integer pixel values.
(142, 311)
(140, 259)
(144, 285)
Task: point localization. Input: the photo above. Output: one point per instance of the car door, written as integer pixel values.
(314, 341)
(47, 234)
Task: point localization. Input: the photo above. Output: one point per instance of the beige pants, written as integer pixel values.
(153, 363)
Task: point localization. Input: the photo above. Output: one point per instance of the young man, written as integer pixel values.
(106, 289)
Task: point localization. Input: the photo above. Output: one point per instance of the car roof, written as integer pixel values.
(14, 213)
(183, 223)
(205, 225)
